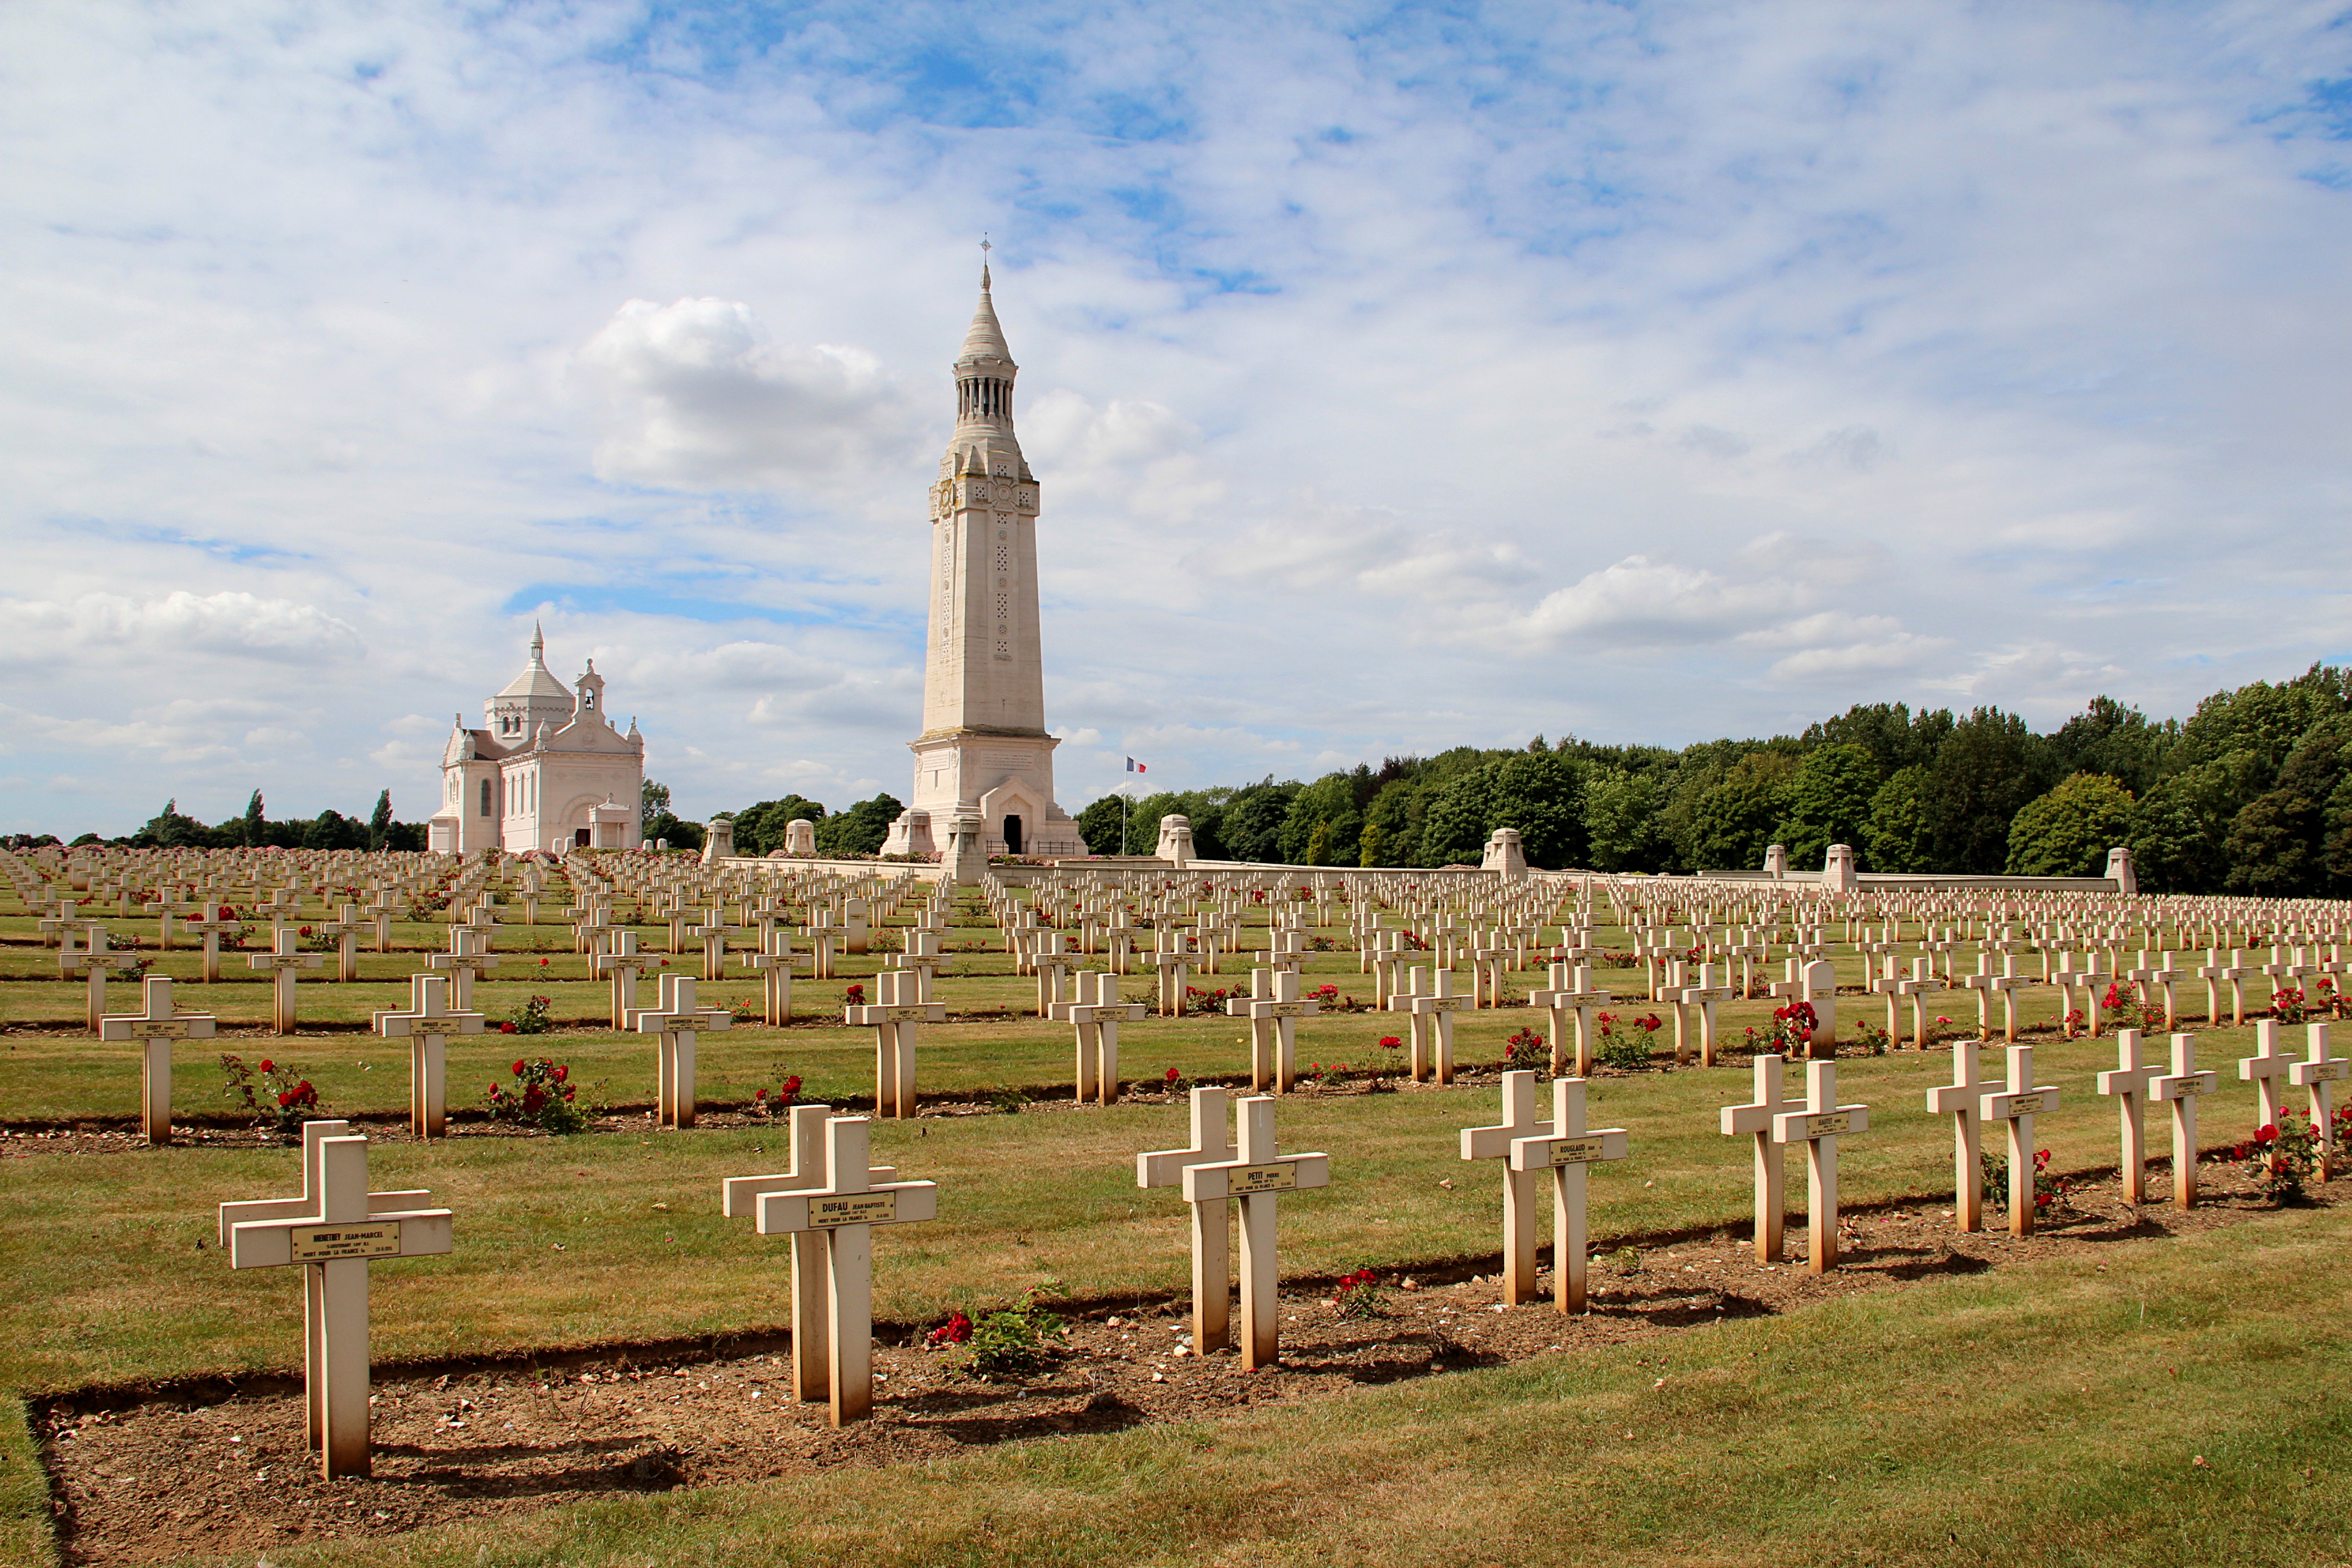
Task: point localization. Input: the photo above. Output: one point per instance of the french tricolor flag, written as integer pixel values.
(1134, 767)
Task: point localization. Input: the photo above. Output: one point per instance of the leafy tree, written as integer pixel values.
(253, 830)
(1334, 803)
(1369, 846)
(760, 829)
(2068, 832)
(1542, 796)
(1895, 838)
(1099, 824)
(1984, 772)
(1254, 818)
(2180, 830)
(380, 822)
(1888, 732)
(1454, 828)
(1621, 820)
(858, 830)
(1732, 822)
(2274, 848)
(334, 830)
(2109, 737)
(652, 802)
(1829, 802)
(168, 830)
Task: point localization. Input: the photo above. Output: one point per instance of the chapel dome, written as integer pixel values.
(536, 683)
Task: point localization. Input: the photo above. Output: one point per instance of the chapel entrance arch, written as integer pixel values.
(1013, 836)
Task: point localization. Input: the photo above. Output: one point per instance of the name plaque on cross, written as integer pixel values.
(1558, 1151)
(801, 1211)
(318, 1243)
(1262, 1179)
(1806, 1128)
(2002, 1106)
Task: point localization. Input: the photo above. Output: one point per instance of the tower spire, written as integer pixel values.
(538, 645)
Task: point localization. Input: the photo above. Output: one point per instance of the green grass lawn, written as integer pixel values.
(2017, 1413)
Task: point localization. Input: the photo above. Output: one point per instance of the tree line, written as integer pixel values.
(2252, 794)
(171, 828)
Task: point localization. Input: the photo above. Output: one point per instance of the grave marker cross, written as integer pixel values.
(1759, 1117)
(333, 1229)
(895, 1014)
(1963, 1101)
(2129, 1084)
(844, 1210)
(1213, 1280)
(1518, 1185)
(2315, 1074)
(811, 1286)
(2181, 1086)
(1568, 1149)
(284, 961)
(2265, 1069)
(1257, 1172)
(1818, 1127)
(676, 1021)
(2018, 1104)
(427, 1026)
(94, 960)
(1095, 1015)
(157, 1026)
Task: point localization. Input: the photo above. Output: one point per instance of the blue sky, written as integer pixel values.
(1398, 375)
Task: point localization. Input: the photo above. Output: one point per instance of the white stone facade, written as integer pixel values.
(984, 747)
(547, 770)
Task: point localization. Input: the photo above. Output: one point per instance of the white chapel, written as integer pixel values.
(546, 770)
(984, 753)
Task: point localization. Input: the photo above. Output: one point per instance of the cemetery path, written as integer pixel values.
(212, 1471)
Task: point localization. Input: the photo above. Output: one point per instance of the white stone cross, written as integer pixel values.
(811, 1286)
(157, 1028)
(1818, 1127)
(1050, 957)
(1171, 957)
(1213, 1280)
(94, 961)
(844, 1209)
(1096, 1014)
(775, 962)
(1700, 998)
(1432, 1011)
(427, 1026)
(678, 1021)
(1571, 992)
(713, 933)
(1963, 1101)
(1518, 1186)
(1923, 980)
(346, 931)
(2182, 1086)
(2129, 1084)
(2314, 1073)
(1274, 1010)
(2018, 1104)
(621, 967)
(896, 1014)
(333, 1229)
(285, 962)
(1759, 1117)
(2265, 1070)
(2237, 972)
(1566, 1151)
(466, 959)
(1255, 1175)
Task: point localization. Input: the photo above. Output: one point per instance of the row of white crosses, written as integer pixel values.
(1775, 1123)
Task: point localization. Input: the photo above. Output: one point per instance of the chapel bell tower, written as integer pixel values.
(984, 749)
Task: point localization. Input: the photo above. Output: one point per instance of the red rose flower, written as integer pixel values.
(268, 1066)
(518, 1067)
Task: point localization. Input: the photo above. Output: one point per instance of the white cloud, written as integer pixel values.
(1383, 379)
(174, 626)
(700, 397)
